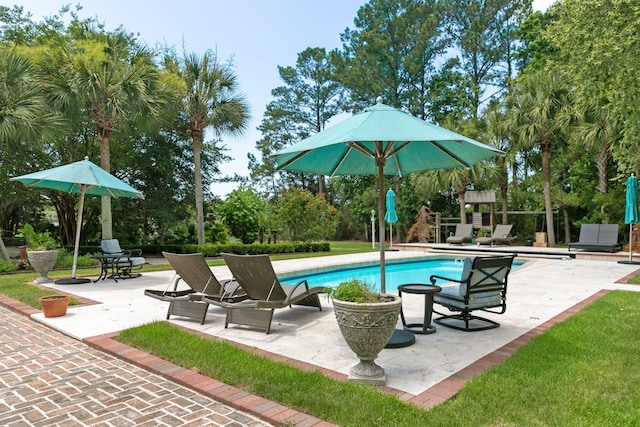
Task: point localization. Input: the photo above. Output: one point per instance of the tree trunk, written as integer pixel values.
(567, 230)
(197, 143)
(3, 250)
(105, 163)
(602, 163)
(546, 178)
(504, 192)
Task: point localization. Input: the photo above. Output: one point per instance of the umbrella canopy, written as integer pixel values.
(631, 212)
(390, 216)
(73, 177)
(382, 141)
(83, 177)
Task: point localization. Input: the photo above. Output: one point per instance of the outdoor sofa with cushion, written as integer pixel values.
(598, 238)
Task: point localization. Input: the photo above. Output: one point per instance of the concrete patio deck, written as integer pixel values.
(539, 291)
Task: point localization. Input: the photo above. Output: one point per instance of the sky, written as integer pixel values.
(257, 35)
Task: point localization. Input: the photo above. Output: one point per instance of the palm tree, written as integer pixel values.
(110, 78)
(597, 129)
(497, 135)
(24, 112)
(539, 119)
(210, 99)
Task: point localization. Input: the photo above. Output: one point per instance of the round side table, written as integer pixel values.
(421, 289)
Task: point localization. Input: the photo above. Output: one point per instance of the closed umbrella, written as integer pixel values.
(390, 216)
(631, 215)
(379, 141)
(83, 177)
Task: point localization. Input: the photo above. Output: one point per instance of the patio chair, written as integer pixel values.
(193, 270)
(501, 236)
(256, 276)
(462, 235)
(598, 238)
(482, 287)
(119, 262)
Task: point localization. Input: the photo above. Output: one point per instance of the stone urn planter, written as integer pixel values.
(54, 305)
(367, 328)
(43, 262)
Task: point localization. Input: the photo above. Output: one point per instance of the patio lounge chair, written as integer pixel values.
(119, 262)
(462, 234)
(193, 270)
(501, 236)
(483, 286)
(598, 238)
(255, 275)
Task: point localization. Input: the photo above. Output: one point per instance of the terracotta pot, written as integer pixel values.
(367, 328)
(54, 305)
(22, 250)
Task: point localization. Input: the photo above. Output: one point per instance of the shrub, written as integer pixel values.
(7, 266)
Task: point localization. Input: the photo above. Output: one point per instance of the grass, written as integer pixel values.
(584, 371)
(15, 287)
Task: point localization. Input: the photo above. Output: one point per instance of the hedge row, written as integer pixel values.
(211, 250)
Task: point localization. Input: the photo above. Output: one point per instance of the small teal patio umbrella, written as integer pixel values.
(83, 177)
(379, 141)
(631, 215)
(390, 215)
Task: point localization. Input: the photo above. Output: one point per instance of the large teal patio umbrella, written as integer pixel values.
(631, 215)
(379, 141)
(83, 177)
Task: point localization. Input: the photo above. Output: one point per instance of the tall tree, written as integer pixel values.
(25, 119)
(539, 119)
(598, 49)
(111, 77)
(392, 53)
(309, 98)
(484, 33)
(211, 98)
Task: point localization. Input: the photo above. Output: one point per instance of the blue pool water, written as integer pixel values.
(397, 273)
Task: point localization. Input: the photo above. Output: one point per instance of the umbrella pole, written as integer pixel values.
(630, 241)
(390, 236)
(78, 229)
(383, 287)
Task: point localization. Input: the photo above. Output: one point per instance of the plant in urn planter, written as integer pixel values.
(367, 320)
(41, 251)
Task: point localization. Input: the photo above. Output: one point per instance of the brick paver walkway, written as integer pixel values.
(47, 378)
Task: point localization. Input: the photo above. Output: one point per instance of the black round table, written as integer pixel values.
(428, 291)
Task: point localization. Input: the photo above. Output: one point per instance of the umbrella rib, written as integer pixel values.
(361, 148)
(293, 160)
(341, 161)
(448, 154)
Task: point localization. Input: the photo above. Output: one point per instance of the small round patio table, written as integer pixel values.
(421, 289)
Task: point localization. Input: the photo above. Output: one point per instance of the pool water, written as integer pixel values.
(397, 273)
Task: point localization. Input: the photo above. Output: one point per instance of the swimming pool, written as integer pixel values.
(397, 273)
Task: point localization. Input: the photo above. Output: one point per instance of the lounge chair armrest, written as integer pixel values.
(296, 286)
(433, 278)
